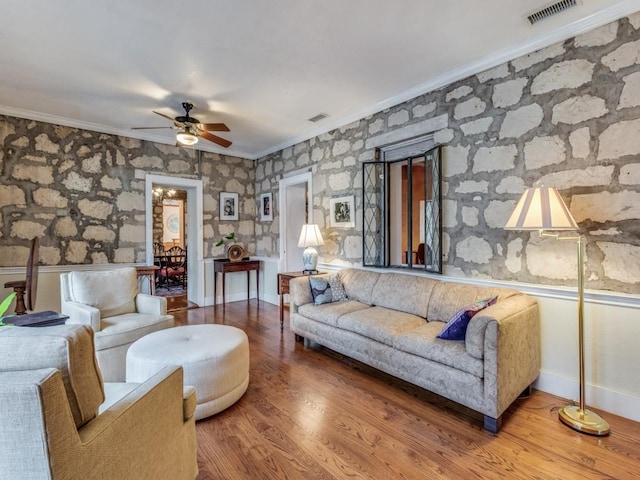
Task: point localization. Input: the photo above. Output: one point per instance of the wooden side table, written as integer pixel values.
(225, 266)
(283, 288)
(149, 271)
(37, 319)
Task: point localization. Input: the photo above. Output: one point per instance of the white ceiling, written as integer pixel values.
(263, 67)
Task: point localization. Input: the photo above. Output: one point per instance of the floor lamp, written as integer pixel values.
(543, 209)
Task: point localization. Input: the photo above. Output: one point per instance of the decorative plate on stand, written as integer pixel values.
(235, 253)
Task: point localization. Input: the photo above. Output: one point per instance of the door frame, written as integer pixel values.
(195, 234)
(282, 196)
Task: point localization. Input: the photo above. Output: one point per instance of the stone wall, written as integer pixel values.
(77, 191)
(566, 116)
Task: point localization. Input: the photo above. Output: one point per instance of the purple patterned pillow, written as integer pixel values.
(456, 327)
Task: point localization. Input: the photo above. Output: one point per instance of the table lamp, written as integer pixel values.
(543, 209)
(310, 237)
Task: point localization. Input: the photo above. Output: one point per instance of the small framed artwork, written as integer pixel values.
(228, 206)
(342, 212)
(266, 207)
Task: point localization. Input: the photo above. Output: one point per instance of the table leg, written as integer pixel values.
(215, 276)
(258, 284)
(224, 299)
(248, 288)
(281, 311)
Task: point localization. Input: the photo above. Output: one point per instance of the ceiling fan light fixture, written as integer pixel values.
(186, 137)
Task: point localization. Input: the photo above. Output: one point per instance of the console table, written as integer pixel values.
(283, 288)
(225, 266)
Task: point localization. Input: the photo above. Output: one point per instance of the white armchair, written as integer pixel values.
(108, 301)
(56, 424)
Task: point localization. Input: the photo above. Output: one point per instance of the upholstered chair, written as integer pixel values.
(108, 301)
(60, 421)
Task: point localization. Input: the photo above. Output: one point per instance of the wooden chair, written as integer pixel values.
(29, 284)
(175, 267)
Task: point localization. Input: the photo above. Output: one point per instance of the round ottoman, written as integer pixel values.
(215, 360)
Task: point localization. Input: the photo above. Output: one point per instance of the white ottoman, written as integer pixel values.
(215, 359)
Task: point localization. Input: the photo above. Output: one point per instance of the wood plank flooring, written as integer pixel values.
(310, 413)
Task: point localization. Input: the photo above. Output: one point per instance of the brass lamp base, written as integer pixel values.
(583, 420)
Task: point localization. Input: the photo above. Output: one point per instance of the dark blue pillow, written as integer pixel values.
(320, 290)
(456, 327)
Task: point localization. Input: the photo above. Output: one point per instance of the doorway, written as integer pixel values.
(170, 240)
(193, 229)
(296, 209)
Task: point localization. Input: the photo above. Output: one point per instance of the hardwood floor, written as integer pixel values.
(310, 413)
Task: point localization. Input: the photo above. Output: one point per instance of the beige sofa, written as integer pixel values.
(60, 421)
(390, 321)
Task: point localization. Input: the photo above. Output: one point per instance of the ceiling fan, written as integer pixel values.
(190, 128)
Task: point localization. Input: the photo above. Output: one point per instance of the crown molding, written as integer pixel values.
(573, 29)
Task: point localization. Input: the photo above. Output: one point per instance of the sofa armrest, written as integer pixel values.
(82, 314)
(151, 304)
(509, 332)
(300, 293)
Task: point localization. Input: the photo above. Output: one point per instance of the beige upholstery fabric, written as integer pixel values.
(214, 358)
(116, 312)
(113, 292)
(407, 293)
(69, 350)
(330, 312)
(382, 325)
(146, 432)
(359, 284)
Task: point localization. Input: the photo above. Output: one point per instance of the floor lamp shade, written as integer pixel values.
(543, 209)
(310, 237)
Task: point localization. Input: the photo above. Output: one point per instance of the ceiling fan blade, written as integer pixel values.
(163, 115)
(147, 128)
(215, 139)
(213, 127)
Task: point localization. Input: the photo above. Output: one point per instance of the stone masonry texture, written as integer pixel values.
(566, 116)
(78, 192)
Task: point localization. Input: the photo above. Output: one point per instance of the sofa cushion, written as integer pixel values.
(113, 292)
(67, 348)
(447, 298)
(358, 284)
(320, 290)
(330, 312)
(379, 323)
(406, 293)
(456, 327)
(422, 342)
(125, 329)
(337, 289)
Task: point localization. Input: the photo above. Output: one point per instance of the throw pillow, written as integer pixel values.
(320, 290)
(337, 289)
(456, 327)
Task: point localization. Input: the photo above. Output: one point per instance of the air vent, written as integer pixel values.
(317, 118)
(551, 10)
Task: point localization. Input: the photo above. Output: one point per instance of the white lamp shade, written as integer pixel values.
(541, 209)
(310, 236)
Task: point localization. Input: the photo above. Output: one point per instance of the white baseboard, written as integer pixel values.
(596, 397)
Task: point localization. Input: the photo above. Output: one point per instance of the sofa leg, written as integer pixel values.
(299, 338)
(526, 392)
(493, 424)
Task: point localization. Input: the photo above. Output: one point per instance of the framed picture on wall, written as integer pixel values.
(342, 212)
(266, 207)
(228, 206)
